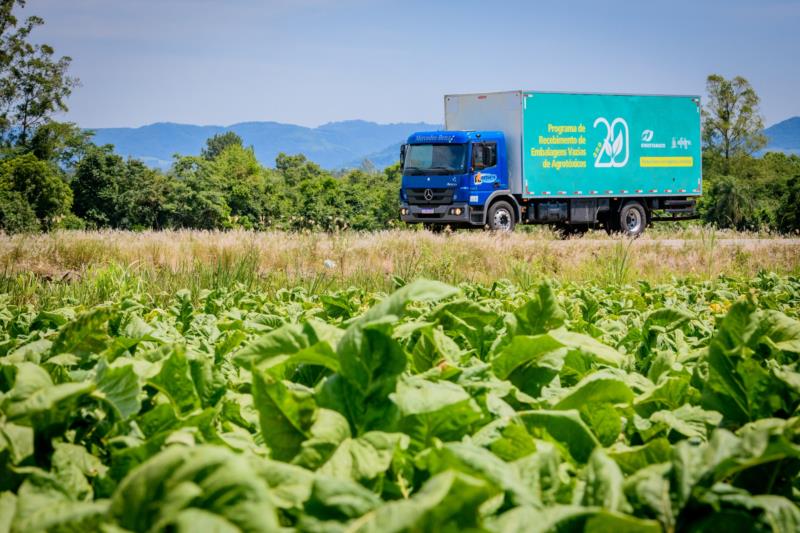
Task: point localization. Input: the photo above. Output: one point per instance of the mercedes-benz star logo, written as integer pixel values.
(428, 194)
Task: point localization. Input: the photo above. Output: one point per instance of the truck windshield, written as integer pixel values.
(435, 159)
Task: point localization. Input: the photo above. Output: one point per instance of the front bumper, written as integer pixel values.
(435, 214)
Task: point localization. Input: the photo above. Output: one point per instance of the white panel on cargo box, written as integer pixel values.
(491, 111)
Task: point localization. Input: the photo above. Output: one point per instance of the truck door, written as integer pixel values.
(487, 174)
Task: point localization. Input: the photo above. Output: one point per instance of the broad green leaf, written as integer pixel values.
(289, 485)
(506, 439)
(8, 506)
(84, 336)
(329, 431)
(565, 428)
(526, 350)
(540, 314)
(442, 410)
(286, 414)
(570, 518)
(598, 351)
(50, 404)
(192, 520)
(481, 463)
(292, 344)
(368, 355)
(688, 420)
(418, 291)
(366, 457)
(208, 478)
(634, 458)
(605, 421)
(174, 380)
(599, 387)
(16, 442)
(604, 483)
(446, 502)
(119, 386)
(339, 499)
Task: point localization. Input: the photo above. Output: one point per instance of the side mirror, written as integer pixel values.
(403, 148)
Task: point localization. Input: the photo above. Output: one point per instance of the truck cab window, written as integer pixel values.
(484, 155)
(434, 159)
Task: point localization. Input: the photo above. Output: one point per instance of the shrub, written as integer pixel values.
(16, 214)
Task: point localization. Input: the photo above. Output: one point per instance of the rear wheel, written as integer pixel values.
(632, 219)
(501, 217)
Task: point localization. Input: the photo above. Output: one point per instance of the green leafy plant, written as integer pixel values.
(639, 408)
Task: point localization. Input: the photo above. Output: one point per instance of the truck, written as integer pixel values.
(573, 160)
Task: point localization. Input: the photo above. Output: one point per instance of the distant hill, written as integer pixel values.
(784, 136)
(333, 145)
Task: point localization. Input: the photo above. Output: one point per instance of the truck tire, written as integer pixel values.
(501, 217)
(632, 219)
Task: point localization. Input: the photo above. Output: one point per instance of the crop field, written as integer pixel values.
(277, 382)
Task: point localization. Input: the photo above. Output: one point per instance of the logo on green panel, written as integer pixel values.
(614, 150)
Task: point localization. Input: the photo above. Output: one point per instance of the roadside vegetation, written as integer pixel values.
(93, 267)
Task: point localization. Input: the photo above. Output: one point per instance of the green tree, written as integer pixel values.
(39, 183)
(196, 198)
(243, 182)
(142, 197)
(728, 204)
(16, 214)
(789, 208)
(218, 143)
(95, 185)
(62, 142)
(296, 168)
(732, 124)
(34, 83)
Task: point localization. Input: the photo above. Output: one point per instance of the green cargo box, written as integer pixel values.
(595, 145)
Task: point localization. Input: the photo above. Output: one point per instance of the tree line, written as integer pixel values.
(53, 176)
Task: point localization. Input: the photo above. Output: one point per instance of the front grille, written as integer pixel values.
(435, 197)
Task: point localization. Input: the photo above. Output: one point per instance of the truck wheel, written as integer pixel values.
(632, 219)
(501, 217)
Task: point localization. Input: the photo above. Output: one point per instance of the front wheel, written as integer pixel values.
(501, 217)
(632, 219)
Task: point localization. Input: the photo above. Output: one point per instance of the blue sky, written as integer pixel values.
(313, 61)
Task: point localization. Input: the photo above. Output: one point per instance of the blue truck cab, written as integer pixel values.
(449, 176)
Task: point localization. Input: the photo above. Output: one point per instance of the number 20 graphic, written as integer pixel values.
(612, 146)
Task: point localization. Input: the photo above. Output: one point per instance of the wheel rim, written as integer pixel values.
(502, 219)
(633, 221)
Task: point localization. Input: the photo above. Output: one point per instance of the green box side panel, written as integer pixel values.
(584, 145)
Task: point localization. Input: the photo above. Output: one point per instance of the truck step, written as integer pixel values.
(682, 203)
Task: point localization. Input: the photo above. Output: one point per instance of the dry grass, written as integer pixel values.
(173, 259)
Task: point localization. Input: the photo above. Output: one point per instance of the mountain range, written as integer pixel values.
(334, 145)
(784, 136)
